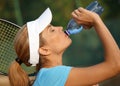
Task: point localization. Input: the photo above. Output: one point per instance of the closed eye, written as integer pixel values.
(51, 28)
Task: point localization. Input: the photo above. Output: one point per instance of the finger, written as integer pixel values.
(74, 15)
(77, 12)
(86, 26)
(81, 9)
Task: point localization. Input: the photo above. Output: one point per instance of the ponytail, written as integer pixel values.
(17, 76)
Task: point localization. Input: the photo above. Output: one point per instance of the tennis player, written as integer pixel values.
(42, 45)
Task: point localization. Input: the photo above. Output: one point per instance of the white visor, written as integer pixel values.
(34, 29)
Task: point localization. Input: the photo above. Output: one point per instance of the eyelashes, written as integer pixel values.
(51, 28)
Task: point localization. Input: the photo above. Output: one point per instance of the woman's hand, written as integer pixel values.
(109, 67)
(85, 17)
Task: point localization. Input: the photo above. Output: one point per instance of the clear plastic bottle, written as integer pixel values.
(74, 28)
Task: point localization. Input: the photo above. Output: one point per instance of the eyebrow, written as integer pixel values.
(48, 27)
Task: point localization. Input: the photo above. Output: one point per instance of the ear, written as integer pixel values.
(44, 51)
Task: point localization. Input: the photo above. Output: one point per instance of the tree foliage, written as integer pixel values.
(86, 48)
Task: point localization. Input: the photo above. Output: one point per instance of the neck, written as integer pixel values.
(53, 60)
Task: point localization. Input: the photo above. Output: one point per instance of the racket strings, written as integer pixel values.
(7, 34)
(7, 54)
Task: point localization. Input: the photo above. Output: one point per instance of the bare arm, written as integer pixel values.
(108, 68)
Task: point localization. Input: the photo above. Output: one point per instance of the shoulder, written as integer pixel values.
(55, 76)
(64, 68)
(58, 70)
(55, 70)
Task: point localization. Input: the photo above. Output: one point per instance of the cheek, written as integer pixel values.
(62, 44)
(67, 43)
(53, 41)
(56, 43)
(59, 43)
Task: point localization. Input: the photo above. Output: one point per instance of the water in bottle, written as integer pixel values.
(74, 28)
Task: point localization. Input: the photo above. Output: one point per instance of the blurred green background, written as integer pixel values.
(86, 49)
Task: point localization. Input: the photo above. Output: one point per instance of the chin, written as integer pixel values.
(69, 44)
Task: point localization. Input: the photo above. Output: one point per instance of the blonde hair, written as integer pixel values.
(17, 76)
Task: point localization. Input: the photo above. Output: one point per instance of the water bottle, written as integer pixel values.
(74, 28)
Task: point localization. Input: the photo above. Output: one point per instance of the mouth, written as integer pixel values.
(66, 33)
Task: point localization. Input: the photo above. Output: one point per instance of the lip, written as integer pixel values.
(66, 35)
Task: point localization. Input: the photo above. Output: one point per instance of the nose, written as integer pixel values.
(60, 27)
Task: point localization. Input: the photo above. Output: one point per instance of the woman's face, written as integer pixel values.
(56, 39)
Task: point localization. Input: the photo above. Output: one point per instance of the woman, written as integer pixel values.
(42, 45)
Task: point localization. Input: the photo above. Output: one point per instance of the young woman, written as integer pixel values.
(42, 45)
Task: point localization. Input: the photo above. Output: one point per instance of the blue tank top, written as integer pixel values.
(55, 76)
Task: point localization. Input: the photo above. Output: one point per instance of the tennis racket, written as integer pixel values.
(8, 31)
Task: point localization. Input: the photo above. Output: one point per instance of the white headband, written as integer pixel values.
(34, 29)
